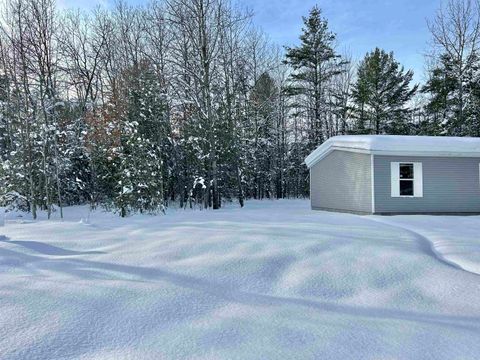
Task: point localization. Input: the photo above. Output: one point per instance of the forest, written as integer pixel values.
(188, 103)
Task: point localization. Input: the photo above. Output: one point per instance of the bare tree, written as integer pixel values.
(456, 39)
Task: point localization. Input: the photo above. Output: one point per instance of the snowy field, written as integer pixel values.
(271, 281)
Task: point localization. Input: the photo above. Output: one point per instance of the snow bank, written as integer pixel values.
(399, 145)
(454, 239)
(271, 281)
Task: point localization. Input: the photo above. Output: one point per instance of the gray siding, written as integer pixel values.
(342, 181)
(449, 185)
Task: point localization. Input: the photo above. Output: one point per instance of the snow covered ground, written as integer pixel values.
(271, 281)
(453, 239)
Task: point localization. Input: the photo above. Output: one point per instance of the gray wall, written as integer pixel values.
(342, 181)
(449, 185)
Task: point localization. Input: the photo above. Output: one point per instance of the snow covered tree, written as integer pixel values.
(136, 107)
(264, 99)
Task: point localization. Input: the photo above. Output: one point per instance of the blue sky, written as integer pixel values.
(394, 25)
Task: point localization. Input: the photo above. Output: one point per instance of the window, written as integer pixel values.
(406, 179)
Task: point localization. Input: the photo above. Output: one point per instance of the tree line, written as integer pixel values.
(134, 108)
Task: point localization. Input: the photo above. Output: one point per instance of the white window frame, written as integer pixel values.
(417, 179)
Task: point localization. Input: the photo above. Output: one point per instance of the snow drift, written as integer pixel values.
(271, 281)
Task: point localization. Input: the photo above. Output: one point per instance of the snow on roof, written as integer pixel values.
(398, 145)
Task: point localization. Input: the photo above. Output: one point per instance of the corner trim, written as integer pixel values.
(372, 175)
(310, 184)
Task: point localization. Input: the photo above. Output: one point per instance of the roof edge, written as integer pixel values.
(320, 153)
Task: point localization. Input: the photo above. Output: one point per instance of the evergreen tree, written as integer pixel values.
(314, 63)
(264, 99)
(144, 134)
(473, 107)
(381, 95)
(448, 113)
(440, 86)
(453, 77)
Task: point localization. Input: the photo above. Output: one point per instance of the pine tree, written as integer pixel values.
(143, 137)
(453, 77)
(440, 86)
(314, 63)
(264, 99)
(381, 94)
(473, 105)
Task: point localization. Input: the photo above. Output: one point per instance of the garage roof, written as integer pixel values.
(398, 145)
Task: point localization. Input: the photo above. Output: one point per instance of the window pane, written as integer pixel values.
(406, 171)
(406, 187)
